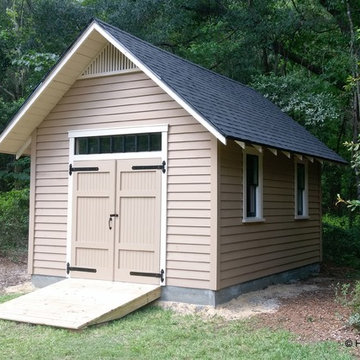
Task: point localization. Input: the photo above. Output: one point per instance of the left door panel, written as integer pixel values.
(93, 230)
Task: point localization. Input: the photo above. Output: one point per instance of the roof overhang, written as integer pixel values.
(60, 79)
(275, 150)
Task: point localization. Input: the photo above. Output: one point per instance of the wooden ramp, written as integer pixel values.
(77, 303)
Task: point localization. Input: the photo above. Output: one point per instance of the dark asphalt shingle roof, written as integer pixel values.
(235, 110)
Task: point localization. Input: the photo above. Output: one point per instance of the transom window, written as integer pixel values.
(118, 144)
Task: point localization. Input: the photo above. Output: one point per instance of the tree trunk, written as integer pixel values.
(354, 55)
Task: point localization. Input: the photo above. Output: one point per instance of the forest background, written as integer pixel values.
(301, 54)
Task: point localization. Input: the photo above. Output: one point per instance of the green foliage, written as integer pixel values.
(302, 95)
(14, 210)
(32, 65)
(153, 333)
(57, 23)
(354, 148)
(296, 52)
(341, 240)
(14, 174)
(348, 295)
(7, 109)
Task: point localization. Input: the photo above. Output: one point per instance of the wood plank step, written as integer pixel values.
(77, 303)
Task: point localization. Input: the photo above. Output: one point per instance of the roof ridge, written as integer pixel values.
(236, 82)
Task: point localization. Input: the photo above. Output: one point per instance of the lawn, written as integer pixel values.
(154, 333)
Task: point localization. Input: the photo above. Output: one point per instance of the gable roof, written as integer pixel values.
(228, 109)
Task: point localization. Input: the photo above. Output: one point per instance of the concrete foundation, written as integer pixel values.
(40, 281)
(214, 298)
(211, 297)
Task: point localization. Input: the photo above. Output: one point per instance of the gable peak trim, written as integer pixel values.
(108, 61)
(155, 77)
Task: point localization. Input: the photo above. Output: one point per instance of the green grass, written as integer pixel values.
(154, 333)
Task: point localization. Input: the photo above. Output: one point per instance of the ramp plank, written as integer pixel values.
(77, 303)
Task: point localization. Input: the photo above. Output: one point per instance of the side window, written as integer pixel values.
(301, 190)
(252, 184)
(252, 192)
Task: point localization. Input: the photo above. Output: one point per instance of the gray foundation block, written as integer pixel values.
(214, 298)
(40, 281)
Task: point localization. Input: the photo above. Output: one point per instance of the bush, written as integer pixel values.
(341, 240)
(14, 219)
(349, 295)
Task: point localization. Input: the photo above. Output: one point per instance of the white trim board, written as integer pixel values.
(118, 131)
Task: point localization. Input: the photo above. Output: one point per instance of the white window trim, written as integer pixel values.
(163, 154)
(118, 131)
(306, 191)
(259, 191)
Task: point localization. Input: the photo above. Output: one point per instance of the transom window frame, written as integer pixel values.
(259, 217)
(163, 129)
(305, 194)
(113, 144)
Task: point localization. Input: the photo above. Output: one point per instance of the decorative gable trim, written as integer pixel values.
(156, 78)
(109, 61)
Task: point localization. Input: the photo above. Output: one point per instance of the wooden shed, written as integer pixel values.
(147, 168)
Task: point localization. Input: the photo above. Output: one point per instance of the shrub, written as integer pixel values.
(348, 295)
(341, 240)
(14, 217)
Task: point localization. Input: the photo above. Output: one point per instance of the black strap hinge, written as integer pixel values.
(73, 169)
(148, 274)
(151, 167)
(74, 268)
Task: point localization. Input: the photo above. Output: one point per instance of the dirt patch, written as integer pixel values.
(313, 315)
(13, 272)
(306, 308)
(253, 303)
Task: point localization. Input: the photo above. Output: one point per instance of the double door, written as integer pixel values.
(116, 220)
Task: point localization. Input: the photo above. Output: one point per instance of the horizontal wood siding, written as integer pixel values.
(252, 250)
(127, 100)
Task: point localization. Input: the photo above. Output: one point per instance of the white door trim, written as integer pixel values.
(163, 128)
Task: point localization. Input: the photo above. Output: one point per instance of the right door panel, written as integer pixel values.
(138, 201)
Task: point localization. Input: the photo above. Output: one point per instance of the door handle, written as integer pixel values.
(110, 220)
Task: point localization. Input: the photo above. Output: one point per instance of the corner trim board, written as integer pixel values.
(32, 204)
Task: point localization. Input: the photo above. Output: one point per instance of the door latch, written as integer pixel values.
(110, 220)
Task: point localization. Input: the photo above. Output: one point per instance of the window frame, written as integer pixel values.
(305, 193)
(163, 129)
(136, 143)
(259, 189)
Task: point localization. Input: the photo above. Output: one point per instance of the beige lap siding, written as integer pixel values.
(249, 251)
(116, 101)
